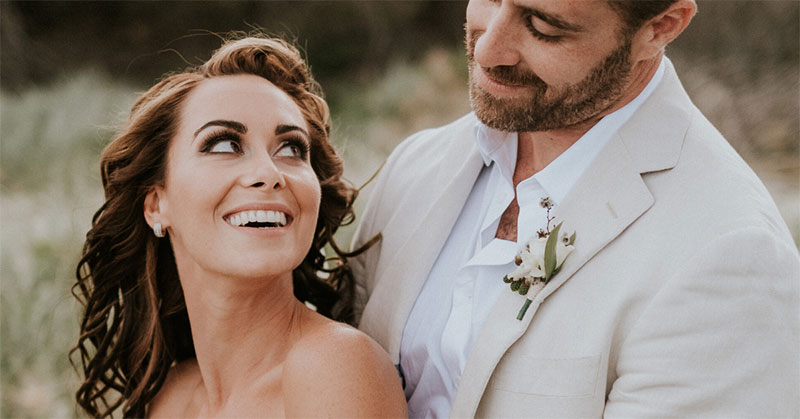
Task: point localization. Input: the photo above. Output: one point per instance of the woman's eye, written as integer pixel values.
(224, 146)
(290, 150)
(222, 143)
(295, 149)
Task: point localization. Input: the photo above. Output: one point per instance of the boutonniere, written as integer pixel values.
(540, 259)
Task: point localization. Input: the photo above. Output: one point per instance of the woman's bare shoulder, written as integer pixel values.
(348, 373)
(176, 394)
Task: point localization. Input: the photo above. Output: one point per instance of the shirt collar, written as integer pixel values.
(561, 174)
(497, 146)
(492, 143)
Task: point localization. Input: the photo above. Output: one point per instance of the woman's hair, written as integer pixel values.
(135, 323)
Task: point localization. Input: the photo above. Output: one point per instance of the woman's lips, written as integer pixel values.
(258, 218)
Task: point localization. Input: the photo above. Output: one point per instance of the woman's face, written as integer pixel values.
(240, 198)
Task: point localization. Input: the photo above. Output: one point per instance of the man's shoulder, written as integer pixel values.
(416, 174)
(465, 123)
(710, 189)
(439, 142)
(421, 157)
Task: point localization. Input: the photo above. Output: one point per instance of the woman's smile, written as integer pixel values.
(258, 219)
(241, 156)
(204, 275)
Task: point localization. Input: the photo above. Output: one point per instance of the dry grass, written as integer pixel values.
(51, 138)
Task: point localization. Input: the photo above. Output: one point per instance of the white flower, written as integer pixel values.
(532, 259)
(532, 266)
(562, 251)
(537, 245)
(531, 275)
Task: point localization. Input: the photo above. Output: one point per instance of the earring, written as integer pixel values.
(158, 231)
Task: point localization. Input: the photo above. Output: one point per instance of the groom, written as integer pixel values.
(680, 297)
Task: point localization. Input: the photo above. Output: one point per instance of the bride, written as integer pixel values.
(200, 268)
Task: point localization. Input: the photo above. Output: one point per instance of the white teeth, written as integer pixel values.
(259, 216)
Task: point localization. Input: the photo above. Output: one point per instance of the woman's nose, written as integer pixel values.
(263, 173)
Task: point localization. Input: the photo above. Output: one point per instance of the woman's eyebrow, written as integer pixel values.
(284, 128)
(236, 126)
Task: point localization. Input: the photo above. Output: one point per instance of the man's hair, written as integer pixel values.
(635, 13)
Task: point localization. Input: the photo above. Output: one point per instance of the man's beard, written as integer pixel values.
(546, 107)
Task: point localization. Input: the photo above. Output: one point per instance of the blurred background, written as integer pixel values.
(69, 72)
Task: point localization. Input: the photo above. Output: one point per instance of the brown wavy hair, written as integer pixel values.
(135, 324)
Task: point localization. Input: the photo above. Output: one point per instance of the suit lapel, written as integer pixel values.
(386, 313)
(607, 199)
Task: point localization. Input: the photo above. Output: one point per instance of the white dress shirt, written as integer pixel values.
(467, 276)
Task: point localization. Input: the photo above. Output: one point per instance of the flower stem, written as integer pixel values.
(524, 309)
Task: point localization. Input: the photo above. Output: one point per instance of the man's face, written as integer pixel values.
(538, 65)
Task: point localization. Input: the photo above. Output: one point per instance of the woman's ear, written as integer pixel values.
(658, 32)
(155, 207)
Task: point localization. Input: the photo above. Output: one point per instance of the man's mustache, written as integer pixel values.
(511, 75)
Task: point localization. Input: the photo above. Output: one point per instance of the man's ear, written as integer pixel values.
(155, 207)
(662, 29)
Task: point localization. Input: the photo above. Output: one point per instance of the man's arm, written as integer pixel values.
(364, 265)
(720, 339)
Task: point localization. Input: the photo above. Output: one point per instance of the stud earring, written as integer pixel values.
(158, 231)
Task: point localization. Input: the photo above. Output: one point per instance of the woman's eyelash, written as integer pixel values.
(301, 145)
(216, 137)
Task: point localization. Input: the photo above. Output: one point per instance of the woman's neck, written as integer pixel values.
(240, 332)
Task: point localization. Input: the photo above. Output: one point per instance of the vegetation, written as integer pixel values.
(388, 68)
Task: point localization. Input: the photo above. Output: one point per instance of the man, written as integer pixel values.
(681, 295)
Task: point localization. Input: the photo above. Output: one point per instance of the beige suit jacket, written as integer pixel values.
(681, 297)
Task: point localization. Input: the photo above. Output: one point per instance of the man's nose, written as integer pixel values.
(497, 45)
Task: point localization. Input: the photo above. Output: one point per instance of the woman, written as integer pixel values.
(221, 192)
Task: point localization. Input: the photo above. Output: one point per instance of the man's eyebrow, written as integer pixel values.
(236, 126)
(284, 128)
(554, 20)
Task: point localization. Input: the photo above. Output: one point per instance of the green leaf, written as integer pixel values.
(572, 238)
(550, 253)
